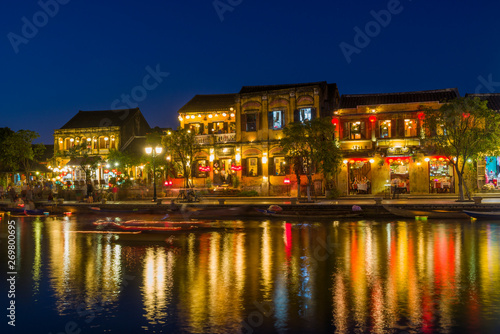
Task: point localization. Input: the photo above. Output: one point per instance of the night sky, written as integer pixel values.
(86, 54)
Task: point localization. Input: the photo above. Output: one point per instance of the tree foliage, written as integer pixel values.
(463, 129)
(311, 145)
(182, 146)
(19, 152)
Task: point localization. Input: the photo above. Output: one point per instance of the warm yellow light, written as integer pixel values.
(149, 150)
(345, 161)
(199, 115)
(372, 161)
(427, 159)
(232, 114)
(158, 149)
(264, 160)
(106, 138)
(71, 140)
(238, 157)
(180, 118)
(210, 116)
(168, 157)
(187, 116)
(88, 139)
(211, 157)
(223, 114)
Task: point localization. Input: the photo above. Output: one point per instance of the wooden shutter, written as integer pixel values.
(296, 115)
(362, 129)
(270, 167)
(394, 126)
(401, 128)
(377, 129)
(346, 130)
(243, 167)
(259, 166)
(313, 113)
(270, 120)
(243, 122)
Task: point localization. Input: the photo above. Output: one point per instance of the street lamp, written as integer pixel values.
(155, 152)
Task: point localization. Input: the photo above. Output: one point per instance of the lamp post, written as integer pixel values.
(155, 152)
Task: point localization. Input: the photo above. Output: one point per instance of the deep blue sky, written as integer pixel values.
(92, 52)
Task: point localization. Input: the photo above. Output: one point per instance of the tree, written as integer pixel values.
(462, 130)
(312, 144)
(182, 146)
(19, 151)
(4, 134)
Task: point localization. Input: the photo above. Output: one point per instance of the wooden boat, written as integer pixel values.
(302, 215)
(483, 214)
(117, 211)
(24, 212)
(434, 214)
(218, 213)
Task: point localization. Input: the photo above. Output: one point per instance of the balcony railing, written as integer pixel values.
(225, 137)
(203, 139)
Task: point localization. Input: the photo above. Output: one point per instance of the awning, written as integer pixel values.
(83, 161)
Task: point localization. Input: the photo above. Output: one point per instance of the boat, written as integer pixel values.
(305, 215)
(433, 214)
(150, 225)
(22, 211)
(483, 214)
(217, 213)
(117, 211)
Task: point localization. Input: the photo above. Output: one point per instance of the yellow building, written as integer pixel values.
(101, 131)
(240, 132)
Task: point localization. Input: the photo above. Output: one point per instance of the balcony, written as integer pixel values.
(203, 139)
(225, 138)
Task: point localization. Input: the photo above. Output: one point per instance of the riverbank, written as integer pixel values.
(370, 206)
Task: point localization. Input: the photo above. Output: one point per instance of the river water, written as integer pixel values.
(256, 276)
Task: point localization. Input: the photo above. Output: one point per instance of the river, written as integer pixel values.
(255, 276)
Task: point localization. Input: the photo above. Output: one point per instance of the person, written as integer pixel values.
(12, 194)
(115, 192)
(395, 186)
(90, 192)
(29, 194)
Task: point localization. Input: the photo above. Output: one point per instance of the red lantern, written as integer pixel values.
(114, 171)
(335, 121)
(286, 180)
(465, 115)
(372, 118)
(420, 115)
(235, 168)
(106, 171)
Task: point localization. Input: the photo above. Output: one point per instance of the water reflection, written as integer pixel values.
(341, 277)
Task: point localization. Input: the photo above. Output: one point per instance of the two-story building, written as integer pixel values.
(100, 131)
(240, 132)
(380, 136)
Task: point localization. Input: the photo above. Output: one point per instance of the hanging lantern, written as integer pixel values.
(286, 180)
(420, 115)
(372, 118)
(335, 121)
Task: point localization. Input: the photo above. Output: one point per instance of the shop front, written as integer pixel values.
(492, 172)
(441, 175)
(399, 175)
(359, 176)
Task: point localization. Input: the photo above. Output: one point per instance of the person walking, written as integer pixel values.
(90, 192)
(12, 194)
(115, 192)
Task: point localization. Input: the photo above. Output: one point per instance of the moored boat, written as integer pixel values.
(483, 214)
(436, 214)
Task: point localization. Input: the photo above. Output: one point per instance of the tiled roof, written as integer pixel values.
(354, 100)
(209, 102)
(100, 118)
(493, 99)
(267, 88)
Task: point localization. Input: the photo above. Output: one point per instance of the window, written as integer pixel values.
(410, 127)
(305, 114)
(202, 168)
(197, 128)
(356, 130)
(385, 129)
(279, 166)
(276, 119)
(251, 122)
(252, 167)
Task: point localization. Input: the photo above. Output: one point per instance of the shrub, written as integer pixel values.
(248, 193)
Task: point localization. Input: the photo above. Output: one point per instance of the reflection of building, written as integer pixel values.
(240, 132)
(98, 132)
